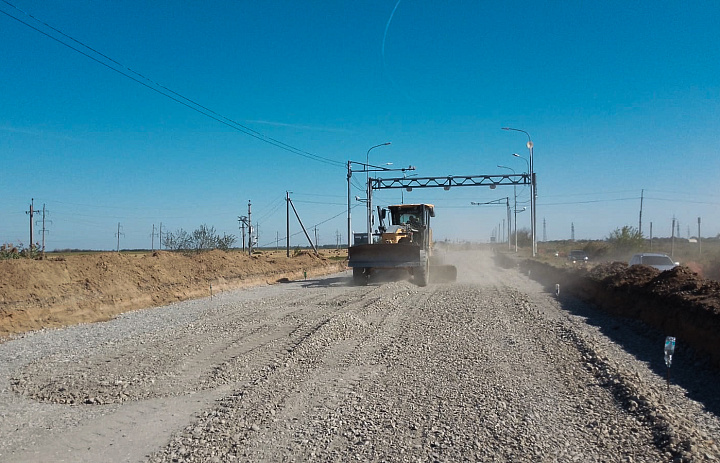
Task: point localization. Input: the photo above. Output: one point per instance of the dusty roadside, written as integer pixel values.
(36, 294)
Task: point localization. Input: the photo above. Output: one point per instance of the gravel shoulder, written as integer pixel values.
(490, 368)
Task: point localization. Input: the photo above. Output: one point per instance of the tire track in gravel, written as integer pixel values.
(138, 423)
(286, 406)
(130, 370)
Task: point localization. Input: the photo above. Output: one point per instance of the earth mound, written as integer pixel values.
(85, 288)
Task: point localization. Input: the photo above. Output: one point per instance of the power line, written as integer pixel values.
(168, 93)
(683, 201)
(311, 226)
(318, 202)
(589, 201)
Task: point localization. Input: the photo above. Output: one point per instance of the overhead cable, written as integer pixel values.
(168, 93)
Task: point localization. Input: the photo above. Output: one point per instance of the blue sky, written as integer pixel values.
(617, 97)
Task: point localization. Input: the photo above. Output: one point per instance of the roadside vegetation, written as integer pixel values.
(16, 251)
(202, 239)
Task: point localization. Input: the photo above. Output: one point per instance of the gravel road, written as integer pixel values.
(491, 368)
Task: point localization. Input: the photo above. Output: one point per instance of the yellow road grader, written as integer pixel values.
(405, 244)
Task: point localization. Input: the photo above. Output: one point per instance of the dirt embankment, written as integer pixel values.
(37, 294)
(678, 302)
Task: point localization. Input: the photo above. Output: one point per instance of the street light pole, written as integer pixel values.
(507, 203)
(349, 231)
(533, 189)
(514, 207)
(527, 164)
(369, 192)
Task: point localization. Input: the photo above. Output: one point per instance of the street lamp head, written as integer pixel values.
(516, 155)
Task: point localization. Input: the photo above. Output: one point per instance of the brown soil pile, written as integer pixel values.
(55, 292)
(680, 285)
(678, 302)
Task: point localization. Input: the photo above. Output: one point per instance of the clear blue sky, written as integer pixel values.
(618, 97)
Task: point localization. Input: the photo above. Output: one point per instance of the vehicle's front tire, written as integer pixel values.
(360, 276)
(422, 273)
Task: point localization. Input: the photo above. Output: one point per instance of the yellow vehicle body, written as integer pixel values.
(407, 245)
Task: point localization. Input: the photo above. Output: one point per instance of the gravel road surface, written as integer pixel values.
(491, 368)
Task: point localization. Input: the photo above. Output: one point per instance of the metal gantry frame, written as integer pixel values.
(533, 189)
(446, 182)
(365, 168)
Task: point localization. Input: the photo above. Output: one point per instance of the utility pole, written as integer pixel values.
(287, 220)
(699, 240)
(160, 237)
(642, 196)
(303, 227)
(243, 221)
(651, 236)
(509, 221)
(572, 231)
(32, 211)
(316, 238)
(250, 229)
(672, 238)
(118, 237)
(243, 234)
(152, 239)
(349, 217)
(544, 230)
(277, 240)
(43, 230)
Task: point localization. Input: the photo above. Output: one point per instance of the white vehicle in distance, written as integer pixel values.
(661, 262)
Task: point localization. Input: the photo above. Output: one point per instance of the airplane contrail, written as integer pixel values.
(387, 26)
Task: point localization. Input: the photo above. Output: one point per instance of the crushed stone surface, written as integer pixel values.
(490, 368)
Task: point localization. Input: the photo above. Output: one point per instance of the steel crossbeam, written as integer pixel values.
(449, 181)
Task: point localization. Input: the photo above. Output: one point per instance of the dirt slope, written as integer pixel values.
(36, 294)
(678, 302)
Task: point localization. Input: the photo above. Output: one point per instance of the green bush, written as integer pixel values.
(203, 239)
(10, 251)
(626, 239)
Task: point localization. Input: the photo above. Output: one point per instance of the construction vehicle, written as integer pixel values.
(405, 244)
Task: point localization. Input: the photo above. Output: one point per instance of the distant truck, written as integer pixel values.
(405, 244)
